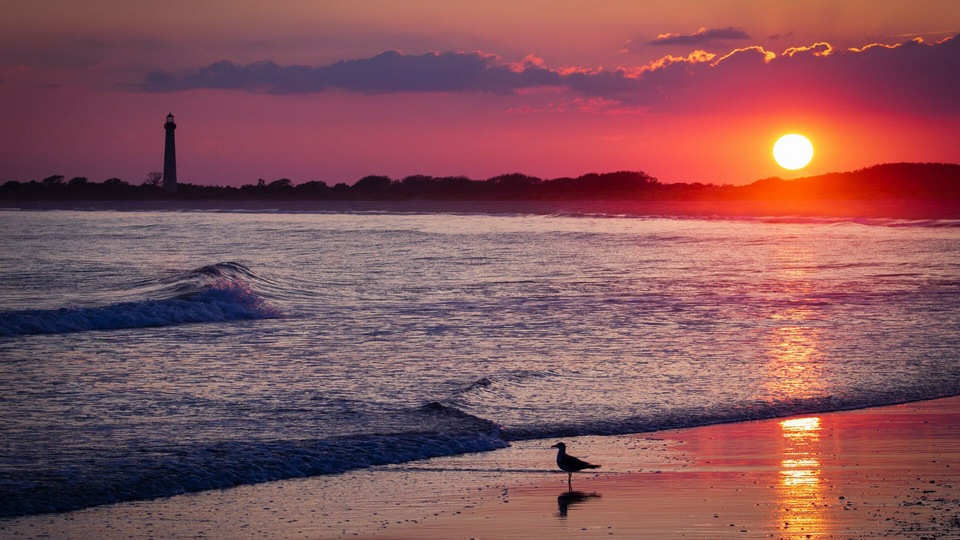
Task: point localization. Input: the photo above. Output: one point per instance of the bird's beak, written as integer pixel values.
(555, 446)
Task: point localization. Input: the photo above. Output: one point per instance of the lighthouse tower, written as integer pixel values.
(170, 157)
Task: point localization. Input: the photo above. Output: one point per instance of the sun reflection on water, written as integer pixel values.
(800, 491)
(794, 363)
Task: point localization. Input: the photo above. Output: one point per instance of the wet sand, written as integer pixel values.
(888, 472)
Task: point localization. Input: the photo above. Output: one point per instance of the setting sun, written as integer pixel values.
(793, 151)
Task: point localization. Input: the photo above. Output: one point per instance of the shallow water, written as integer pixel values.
(147, 354)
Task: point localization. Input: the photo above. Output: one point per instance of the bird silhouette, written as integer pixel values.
(570, 464)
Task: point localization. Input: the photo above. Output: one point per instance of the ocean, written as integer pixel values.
(148, 354)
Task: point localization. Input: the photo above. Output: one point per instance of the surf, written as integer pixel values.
(435, 430)
(213, 293)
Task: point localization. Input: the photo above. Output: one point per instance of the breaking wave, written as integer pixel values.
(214, 293)
(173, 470)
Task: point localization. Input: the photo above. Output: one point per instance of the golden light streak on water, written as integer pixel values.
(800, 491)
(794, 365)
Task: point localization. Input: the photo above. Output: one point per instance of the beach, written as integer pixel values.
(885, 472)
(502, 270)
(391, 374)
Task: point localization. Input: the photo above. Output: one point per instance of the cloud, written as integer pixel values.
(388, 72)
(747, 55)
(817, 49)
(775, 37)
(912, 76)
(703, 36)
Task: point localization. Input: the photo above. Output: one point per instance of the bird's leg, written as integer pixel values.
(570, 480)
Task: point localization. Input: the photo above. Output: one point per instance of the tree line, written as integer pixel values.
(898, 180)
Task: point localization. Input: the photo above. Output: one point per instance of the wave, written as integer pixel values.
(168, 471)
(784, 220)
(490, 392)
(443, 430)
(868, 222)
(213, 293)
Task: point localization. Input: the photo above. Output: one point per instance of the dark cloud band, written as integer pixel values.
(389, 72)
(913, 76)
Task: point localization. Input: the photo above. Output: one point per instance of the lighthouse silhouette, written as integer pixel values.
(170, 157)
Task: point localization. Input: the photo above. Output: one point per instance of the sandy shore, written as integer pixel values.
(889, 472)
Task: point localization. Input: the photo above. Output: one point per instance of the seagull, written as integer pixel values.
(570, 464)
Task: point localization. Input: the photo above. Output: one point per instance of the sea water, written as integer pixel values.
(146, 354)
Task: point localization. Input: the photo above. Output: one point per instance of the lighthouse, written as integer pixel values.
(170, 157)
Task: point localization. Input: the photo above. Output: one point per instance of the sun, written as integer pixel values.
(793, 151)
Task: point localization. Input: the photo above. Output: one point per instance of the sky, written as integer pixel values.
(686, 91)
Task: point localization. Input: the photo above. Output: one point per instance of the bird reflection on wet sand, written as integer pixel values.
(569, 498)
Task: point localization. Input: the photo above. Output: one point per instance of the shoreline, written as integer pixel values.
(850, 209)
(888, 471)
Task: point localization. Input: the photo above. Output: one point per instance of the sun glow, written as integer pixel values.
(793, 151)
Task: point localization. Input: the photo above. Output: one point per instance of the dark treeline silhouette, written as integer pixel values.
(889, 181)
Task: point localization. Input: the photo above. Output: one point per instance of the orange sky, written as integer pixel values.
(334, 91)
